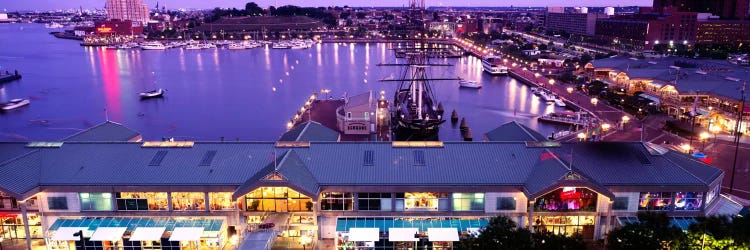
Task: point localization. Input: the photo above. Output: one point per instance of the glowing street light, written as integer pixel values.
(685, 147)
(606, 126)
(594, 101)
(551, 81)
(704, 137)
(581, 136)
(625, 119)
(570, 90)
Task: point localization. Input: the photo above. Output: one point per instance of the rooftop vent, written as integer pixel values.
(42, 144)
(208, 157)
(158, 158)
(419, 158)
(167, 144)
(369, 159)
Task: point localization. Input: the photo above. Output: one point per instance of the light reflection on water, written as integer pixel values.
(235, 94)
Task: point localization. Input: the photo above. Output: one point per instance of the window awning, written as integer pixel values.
(66, 233)
(364, 234)
(186, 234)
(108, 234)
(147, 233)
(402, 234)
(442, 234)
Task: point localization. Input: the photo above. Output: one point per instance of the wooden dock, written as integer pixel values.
(9, 77)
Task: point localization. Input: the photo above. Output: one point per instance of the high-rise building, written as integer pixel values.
(133, 10)
(573, 23)
(726, 9)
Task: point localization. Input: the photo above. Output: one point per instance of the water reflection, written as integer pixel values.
(111, 79)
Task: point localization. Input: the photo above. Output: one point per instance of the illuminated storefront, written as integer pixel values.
(567, 199)
(277, 199)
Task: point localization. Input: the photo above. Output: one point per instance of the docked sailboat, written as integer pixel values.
(14, 104)
(415, 114)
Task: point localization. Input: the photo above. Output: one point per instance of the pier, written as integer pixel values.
(9, 77)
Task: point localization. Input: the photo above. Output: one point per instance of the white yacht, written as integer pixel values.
(237, 46)
(281, 45)
(559, 102)
(208, 46)
(14, 104)
(193, 47)
(492, 65)
(153, 46)
(470, 84)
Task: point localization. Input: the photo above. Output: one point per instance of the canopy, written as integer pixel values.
(364, 234)
(186, 234)
(66, 233)
(108, 234)
(402, 234)
(442, 234)
(474, 230)
(147, 233)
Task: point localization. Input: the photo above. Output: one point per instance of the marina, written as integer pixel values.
(229, 87)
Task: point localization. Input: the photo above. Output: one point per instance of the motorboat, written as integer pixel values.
(470, 84)
(193, 47)
(491, 65)
(559, 102)
(547, 96)
(299, 46)
(153, 46)
(281, 45)
(237, 46)
(152, 94)
(14, 104)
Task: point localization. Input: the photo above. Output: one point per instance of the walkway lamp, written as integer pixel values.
(606, 126)
(685, 147)
(551, 81)
(704, 137)
(570, 90)
(714, 130)
(594, 101)
(581, 136)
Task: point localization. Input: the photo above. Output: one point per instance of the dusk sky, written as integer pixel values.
(11, 5)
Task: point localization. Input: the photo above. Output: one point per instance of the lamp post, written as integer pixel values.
(625, 120)
(581, 136)
(704, 137)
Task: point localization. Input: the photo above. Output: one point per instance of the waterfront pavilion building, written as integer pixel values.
(387, 195)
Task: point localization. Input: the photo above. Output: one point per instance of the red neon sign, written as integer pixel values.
(569, 193)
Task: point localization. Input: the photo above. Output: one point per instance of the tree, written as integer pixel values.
(653, 231)
(500, 233)
(719, 232)
(435, 16)
(253, 9)
(548, 240)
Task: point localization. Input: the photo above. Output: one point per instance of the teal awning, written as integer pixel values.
(384, 223)
(211, 225)
(681, 222)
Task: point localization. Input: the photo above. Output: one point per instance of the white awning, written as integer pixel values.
(364, 234)
(473, 230)
(442, 234)
(186, 234)
(108, 234)
(147, 233)
(402, 234)
(66, 233)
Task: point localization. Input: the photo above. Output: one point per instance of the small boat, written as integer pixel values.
(281, 45)
(546, 96)
(237, 46)
(491, 65)
(299, 46)
(208, 46)
(559, 102)
(470, 84)
(152, 94)
(14, 104)
(193, 47)
(153, 46)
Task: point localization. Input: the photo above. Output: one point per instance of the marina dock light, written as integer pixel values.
(551, 81)
(289, 125)
(570, 90)
(536, 75)
(594, 101)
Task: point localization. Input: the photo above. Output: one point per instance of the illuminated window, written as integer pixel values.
(277, 199)
(96, 201)
(567, 199)
(688, 201)
(220, 201)
(425, 201)
(655, 201)
(336, 201)
(188, 201)
(468, 201)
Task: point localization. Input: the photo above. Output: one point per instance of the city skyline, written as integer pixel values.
(13, 5)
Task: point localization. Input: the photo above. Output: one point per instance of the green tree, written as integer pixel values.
(548, 240)
(253, 9)
(500, 233)
(719, 232)
(653, 231)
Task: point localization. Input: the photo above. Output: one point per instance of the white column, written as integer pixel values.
(22, 204)
(205, 201)
(608, 220)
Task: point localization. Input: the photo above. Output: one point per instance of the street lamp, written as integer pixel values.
(685, 147)
(606, 126)
(581, 136)
(570, 90)
(714, 130)
(703, 137)
(594, 101)
(551, 81)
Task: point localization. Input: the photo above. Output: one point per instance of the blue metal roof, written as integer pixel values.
(384, 223)
(514, 131)
(106, 131)
(310, 131)
(132, 223)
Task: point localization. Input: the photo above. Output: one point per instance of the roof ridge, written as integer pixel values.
(14, 158)
(307, 125)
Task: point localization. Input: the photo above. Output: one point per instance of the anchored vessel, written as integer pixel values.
(491, 64)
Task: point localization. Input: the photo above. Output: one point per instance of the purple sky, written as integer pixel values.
(10, 5)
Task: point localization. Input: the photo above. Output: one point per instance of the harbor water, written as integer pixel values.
(246, 95)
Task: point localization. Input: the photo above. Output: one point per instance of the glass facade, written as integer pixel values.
(96, 201)
(566, 225)
(134, 201)
(506, 203)
(374, 201)
(277, 199)
(11, 226)
(567, 199)
(336, 201)
(688, 201)
(188, 201)
(424, 201)
(220, 201)
(621, 203)
(468, 201)
(655, 201)
(57, 203)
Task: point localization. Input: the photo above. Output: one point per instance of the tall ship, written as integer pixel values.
(415, 113)
(493, 65)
